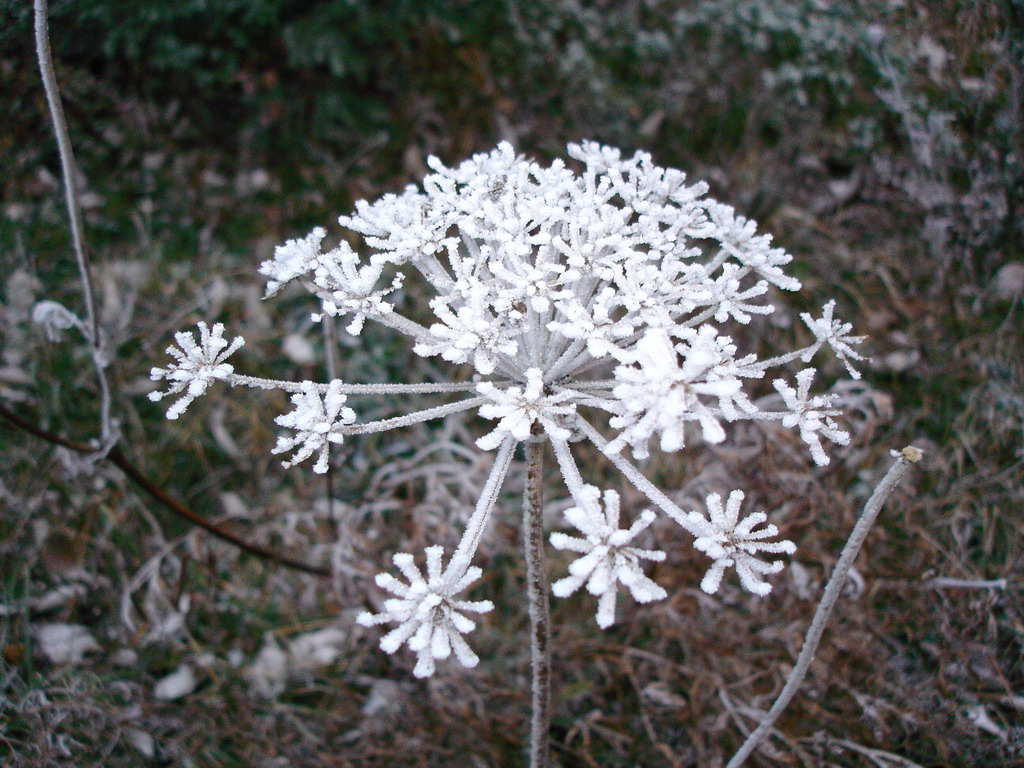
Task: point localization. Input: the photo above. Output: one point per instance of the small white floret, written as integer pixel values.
(293, 260)
(836, 334)
(318, 421)
(197, 365)
(606, 559)
(518, 408)
(812, 415)
(666, 386)
(734, 543)
(430, 620)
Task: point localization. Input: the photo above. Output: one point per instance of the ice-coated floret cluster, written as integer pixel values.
(606, 554)
(595, 300)
(430, 621)
(195, 366)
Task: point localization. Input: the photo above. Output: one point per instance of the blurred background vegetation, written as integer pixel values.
(881, 142)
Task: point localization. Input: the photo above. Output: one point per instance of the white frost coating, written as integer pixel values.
(430, 620)
(197, 366)
(606, 557)
(834, 333)
(609, 304)
(55, 317)
(346, 288)
(735, 543)
(318, 421)
(519, 407)
(294, 259)
(672, 384)
(812, 415)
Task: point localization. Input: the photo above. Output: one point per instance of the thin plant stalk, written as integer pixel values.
(908, 456)
(537, 594)
(330, 334)
(67, 164)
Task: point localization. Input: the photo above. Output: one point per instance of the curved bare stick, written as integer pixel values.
(67, 165)
(116, 457)
(908, 456)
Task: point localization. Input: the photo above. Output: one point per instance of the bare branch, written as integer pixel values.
(67, 164)
(116, 457)
(909, 455)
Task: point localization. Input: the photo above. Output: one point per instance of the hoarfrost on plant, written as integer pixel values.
(606, 557)
(601, 305)
(731, 542)
(431, 621)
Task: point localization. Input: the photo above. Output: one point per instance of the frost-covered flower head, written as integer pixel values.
(596, 305)
(196, 366)
(606, 554)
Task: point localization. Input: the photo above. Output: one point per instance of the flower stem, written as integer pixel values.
(909, 456)
(537, 593)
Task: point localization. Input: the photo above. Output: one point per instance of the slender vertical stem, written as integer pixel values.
(67, 158)
(330, 333)
(67, 164)
(330, 336)
(910, 455)
(537, 593)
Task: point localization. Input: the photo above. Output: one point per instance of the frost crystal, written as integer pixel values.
(518, 408)
(293, 259)
(606, 557)
(317, 420)
(430, 621)
(733, 543)
(834, 333)
(813, 415)
(608, 305)
(197, 366)
(664, 392)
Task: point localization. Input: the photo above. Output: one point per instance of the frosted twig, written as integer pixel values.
(330, 334)
(879, 757)
(413, 418)
(944, 582)
(117, 457)
(910, 455)
(238, 380)
(482, 514)
(67, 164)
(567, 464)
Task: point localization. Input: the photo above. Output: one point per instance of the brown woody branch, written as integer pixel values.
(116, 457)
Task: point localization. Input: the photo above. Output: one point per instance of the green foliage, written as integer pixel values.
(314, 65)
